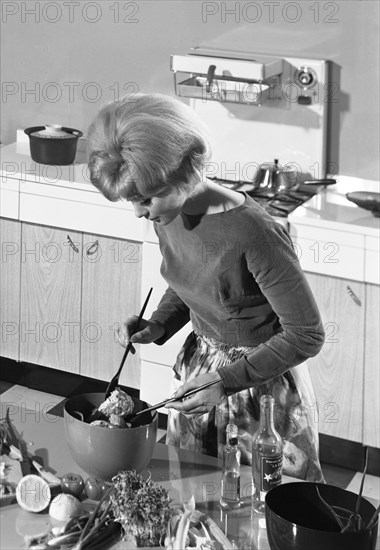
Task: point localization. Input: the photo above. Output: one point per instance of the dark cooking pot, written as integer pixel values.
(298, 519)
(53, 144)
(273, 176)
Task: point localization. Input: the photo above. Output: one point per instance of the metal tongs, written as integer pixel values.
(131, 417)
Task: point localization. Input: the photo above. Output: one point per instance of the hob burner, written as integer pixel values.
(278, 204)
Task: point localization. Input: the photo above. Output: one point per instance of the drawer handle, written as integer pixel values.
(75, 248)
(352, 294)
(93, 248)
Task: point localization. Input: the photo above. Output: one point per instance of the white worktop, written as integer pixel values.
(330, 209)
(62, 196)
(16, 163)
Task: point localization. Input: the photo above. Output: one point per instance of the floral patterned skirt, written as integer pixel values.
(294, 417)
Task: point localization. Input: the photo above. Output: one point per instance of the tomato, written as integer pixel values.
(95, 488)
(72, 484)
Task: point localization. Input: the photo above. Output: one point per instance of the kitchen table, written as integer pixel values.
(182, 473)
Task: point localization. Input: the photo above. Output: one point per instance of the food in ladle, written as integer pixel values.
(118, 405)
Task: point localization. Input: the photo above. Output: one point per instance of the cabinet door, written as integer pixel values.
(110, 293)
(50, 297)
(371, 431)
(337, 371)
(10, 236)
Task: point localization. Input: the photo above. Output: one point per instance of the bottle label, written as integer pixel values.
(271, 473)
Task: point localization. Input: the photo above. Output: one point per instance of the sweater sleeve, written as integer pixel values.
(172, 313)
(274, 264)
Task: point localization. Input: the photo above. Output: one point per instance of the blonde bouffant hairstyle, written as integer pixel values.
(145, 146)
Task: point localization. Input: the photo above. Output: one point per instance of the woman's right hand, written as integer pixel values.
(149, 331)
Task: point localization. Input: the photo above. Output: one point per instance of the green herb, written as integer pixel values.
(141, 506)
(190, 528)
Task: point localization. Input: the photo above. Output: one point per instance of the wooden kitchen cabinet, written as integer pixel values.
(337, 371)
(110, 293)
(371, 414)
(50, 329)
(76, 289)
(10, 280)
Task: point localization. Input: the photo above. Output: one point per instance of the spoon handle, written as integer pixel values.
(112, 385)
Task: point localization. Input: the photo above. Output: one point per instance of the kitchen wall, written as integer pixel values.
(62, 60)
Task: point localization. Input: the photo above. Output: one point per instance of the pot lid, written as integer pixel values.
(289, 167)
(54, 131)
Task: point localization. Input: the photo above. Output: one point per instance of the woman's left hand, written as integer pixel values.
(202, 401)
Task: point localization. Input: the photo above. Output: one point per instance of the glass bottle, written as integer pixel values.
(266, 455)
(230, 490)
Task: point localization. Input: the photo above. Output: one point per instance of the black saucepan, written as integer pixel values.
(53, 144)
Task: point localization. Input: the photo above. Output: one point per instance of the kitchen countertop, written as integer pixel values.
(63, 197)
(328, 209)
(17, 163)
(182, 473)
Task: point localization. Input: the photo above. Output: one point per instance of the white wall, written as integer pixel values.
(56, 49)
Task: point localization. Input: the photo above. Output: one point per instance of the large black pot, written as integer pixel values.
(296, 519)
(57, 147)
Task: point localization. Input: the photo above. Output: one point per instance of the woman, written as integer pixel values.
(231, 271)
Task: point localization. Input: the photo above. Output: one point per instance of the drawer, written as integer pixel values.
(101, 218)
(372, 260)
(329, 252)
(9, 197)
(330, 258)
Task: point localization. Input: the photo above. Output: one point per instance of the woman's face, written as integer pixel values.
(160, 209)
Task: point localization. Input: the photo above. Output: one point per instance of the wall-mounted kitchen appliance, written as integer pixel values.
(259, 108)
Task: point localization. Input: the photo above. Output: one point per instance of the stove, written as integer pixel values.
(277, 204)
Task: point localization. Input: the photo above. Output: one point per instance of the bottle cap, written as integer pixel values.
(232, 433)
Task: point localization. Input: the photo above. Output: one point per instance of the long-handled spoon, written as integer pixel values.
(115, 380)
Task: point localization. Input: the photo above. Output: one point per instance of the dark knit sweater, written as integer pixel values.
(236, 276)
